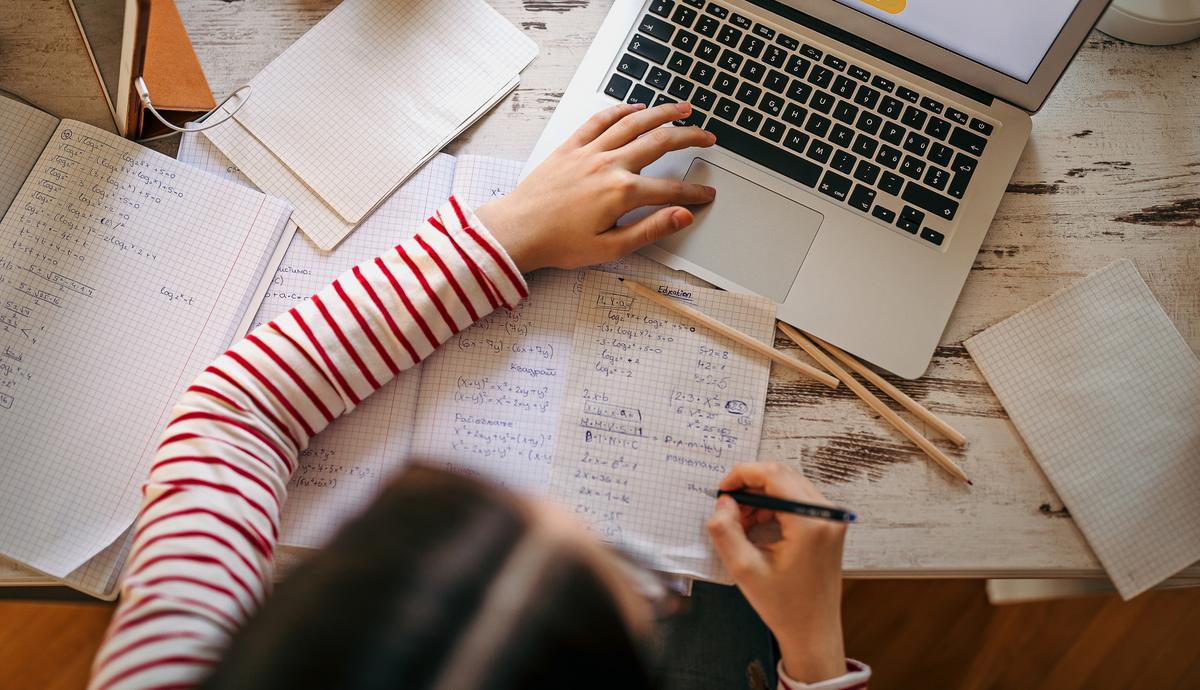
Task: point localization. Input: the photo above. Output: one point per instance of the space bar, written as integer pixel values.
(762, 152)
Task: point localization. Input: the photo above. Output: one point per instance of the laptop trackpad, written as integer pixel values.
(750, 234)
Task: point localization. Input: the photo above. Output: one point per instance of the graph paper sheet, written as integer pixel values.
(1106, 394)
(655, 412)
(24, 131)
(122, 274)
(359, 102)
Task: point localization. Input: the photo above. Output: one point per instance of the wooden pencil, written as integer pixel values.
(875, 403)
(896, 394)
(731, 333)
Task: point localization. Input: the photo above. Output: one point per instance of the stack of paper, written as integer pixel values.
(350, 111)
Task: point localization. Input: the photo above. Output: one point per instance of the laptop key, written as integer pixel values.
(650, 49)
(752, 45)
(810, 52)
(716, 10)
(658, 28)
(641, 94)
(963, 169)
(772, 104)
(888, 157)
(618, 87)
(680, 63)
(858, 73)
(835, 62)
(864, 146)
(797, 66)
(834, 185)
(820, 76)
(940, 206)
(773, 129)
(862, 198)
(890, 107)
(957, 115)
(891, 183)
(730, 61)
(726, 84)
(703, 73)
(913, 167)
(729, 36)
(799, 91)
(931, 235)
(843, 162)
(794, 114)
(726, 109)
(819, 151)
(885, 214)
(883, 83)
(707, 26)
(749, 94)
(940, 154)
(775, 56)
(787, 42)
(916, 144)
(869, 122)
(632, 66)
(658, 78)
(750, 119)
(936, 177)
(866, 96)
(817, 125)
(937, 128)
(982, 127)
(708, 51)
(753, 71)
(703, 98)
(967, 141)
(663, 99)
(845, 112)
(932, 105)
(685, 41)
(910, 219)
(842, 136)
(867, 172)
(662, 7)
(907, 94)
(696, 119)
(698, 4)
(776, 81)
(765, 153)
(684, 16)
(842, 85)
(741, 21)
(795, 140)
(681, 88)
(764, 31)
(913, 117)
(892, 133)
(821, 102)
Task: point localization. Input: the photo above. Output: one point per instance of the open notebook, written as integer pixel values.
(488, 402)
(122, 274)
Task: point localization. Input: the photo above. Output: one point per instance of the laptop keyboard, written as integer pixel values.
(886, 150)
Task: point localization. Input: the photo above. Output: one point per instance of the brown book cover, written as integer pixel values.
(172, 72)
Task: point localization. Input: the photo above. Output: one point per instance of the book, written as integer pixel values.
(122, 274)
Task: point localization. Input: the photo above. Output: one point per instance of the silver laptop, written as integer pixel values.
(862, 145)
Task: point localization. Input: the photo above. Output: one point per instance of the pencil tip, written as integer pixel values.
(970, 483)
(620, 279)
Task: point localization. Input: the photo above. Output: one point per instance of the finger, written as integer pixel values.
(656, 191)
(598, 123)
(741, 558)
(636, 124)
(773, 478)
(659, 142)
(654, 227)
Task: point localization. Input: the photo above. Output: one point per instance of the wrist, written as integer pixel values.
(813, 656)
(506, 228)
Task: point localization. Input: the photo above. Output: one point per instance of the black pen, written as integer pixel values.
(785, 506)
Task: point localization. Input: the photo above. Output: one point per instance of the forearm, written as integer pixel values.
(204, 540)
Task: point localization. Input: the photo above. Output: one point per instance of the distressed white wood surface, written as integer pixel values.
(1112, 170)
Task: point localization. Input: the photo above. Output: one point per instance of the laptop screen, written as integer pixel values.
(1009, 36)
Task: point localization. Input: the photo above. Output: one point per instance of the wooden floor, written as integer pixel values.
(917, 634)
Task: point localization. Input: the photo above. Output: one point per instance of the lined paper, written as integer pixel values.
(122, 274)
(656, 411)
(1106, 394)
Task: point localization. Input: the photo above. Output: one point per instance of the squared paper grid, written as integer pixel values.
(1106, 394)
(656, 412)
(129, 272)
(358, 102)
(24, 131)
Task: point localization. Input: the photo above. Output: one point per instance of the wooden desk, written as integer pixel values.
(1112, 171)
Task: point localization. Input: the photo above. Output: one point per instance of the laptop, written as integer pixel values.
(863, 146)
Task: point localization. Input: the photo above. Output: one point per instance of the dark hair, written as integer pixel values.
(393, 600)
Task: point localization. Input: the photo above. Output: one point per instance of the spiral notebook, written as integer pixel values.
(1106, 394)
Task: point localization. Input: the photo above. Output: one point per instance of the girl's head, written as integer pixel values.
(448, 583)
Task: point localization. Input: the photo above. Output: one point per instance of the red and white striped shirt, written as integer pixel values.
(202, 556)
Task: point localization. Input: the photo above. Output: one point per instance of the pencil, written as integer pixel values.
(875, 403)
(782, 505)
(896, 394)
(731, 333)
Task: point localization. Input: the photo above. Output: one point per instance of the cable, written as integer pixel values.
(144, 94)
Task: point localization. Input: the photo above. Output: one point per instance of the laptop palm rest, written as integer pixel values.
(749, 235)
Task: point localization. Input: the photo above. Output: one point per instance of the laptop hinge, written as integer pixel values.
(876, 50)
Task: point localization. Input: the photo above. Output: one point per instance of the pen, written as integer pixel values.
(785, 506)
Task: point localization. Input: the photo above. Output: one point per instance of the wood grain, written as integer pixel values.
(1112, 171)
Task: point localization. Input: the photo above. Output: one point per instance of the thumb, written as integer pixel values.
(654, 227)
(729, 538)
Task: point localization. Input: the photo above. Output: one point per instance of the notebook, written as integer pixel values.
(122, 274)
(1106, 394)
(488, 402)
(347, 113)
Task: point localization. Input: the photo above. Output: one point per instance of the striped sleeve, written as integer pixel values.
(201, 560)
(855, 678)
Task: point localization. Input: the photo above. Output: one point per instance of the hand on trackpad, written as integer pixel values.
(749, 235)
